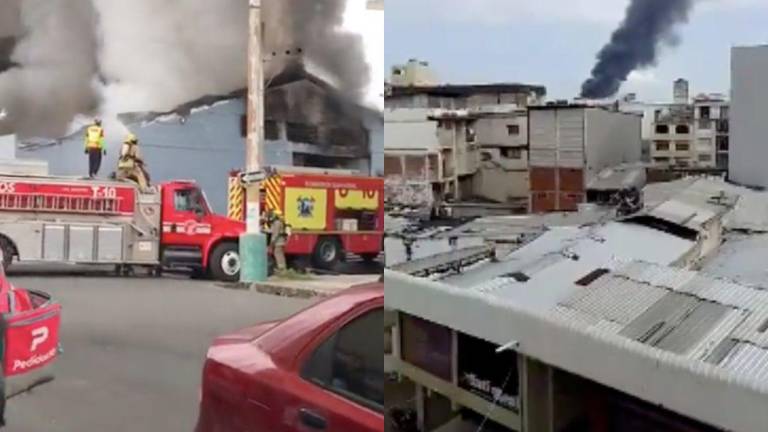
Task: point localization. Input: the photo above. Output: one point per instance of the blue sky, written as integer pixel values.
(554, 42)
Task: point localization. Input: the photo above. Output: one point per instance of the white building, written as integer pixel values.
(749, 87)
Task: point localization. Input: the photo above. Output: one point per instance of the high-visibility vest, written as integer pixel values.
(94, 137)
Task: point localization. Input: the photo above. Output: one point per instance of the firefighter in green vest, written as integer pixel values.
(94, 147)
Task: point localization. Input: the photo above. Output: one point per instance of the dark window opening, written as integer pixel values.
(682, 129)
(513, 130)
(512, 153)
(704, 112)
(662, 146)
(592, 276)
(271, 130)
(471, 135)
(662, 129)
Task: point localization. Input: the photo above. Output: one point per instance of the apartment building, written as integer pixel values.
(691, 133)
(461, 139)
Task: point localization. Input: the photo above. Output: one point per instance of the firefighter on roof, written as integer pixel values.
(94, 147)
(130, 165)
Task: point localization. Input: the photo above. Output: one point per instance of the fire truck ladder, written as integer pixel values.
(59, 204)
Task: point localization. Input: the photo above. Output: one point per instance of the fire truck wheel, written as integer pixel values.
(8, 251)
(327, 253)
(369, 257)
(225, 262)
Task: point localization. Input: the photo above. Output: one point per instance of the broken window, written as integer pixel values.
(682, 129)
(271, 130)
(512, 153)
(301, 133)
(722, 143)
(470, 133)
(513, 130)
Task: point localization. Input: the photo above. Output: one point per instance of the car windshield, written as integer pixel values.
(191, 200)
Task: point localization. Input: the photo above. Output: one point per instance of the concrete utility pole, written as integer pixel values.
(253, 243)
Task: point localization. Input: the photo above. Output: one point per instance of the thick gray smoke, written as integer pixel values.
(89, 57)
(635, 44)
(55, 65)
(313, 26)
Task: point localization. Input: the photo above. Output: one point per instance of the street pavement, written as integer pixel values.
(133, 351)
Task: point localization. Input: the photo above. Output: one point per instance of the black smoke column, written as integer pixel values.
(647, 25)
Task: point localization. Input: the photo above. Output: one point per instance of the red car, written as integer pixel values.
(319, 370)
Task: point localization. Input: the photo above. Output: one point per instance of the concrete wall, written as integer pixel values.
(499, 185)
(611, 139)
(749, 128)
(410, 129)
(492, 131)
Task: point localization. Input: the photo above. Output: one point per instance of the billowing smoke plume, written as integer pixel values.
(72, 57)
(312, 26)
(647, 25)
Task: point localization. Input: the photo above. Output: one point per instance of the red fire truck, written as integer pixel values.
(68, 220)
(329, 212)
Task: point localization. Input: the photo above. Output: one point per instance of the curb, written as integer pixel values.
(276, 289)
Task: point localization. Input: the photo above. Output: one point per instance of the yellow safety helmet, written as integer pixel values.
(131, 139)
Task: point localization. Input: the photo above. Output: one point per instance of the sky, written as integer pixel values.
(554, 42)
(370, 24)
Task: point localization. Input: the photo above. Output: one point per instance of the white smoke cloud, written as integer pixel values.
(80, 58)
(156, 55)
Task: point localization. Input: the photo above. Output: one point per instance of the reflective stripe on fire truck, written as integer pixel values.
(272, 187)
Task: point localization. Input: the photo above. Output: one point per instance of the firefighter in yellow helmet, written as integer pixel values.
(94, 147)
(130, 165)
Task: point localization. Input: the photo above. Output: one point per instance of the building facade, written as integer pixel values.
(465, 141)
(570, 145)
(749, 87)
(306, 124)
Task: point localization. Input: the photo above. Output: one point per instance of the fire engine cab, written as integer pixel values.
(68, 220)
(329, 212)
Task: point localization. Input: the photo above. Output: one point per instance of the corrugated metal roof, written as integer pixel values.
(558, 258)
(748, 360)
(678, 311)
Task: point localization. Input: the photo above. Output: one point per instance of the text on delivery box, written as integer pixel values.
(32, 340)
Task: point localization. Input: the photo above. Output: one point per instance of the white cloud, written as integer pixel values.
(643, 76)
(370, 24)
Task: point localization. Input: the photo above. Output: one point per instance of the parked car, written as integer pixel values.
(319, 370)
